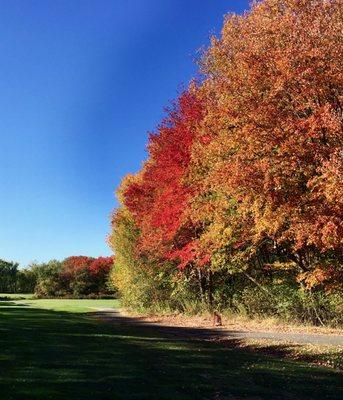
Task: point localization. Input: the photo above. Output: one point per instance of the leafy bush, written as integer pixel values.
(8, 276)
(290, 304)
(49, 279)
(74, 277)
(26, 281)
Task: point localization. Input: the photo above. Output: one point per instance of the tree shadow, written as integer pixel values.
(294, 351)
(10, 303)
(11, 298)
(229, 338)
(58, 355)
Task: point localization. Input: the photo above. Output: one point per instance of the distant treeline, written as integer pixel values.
(14, 280)
(76, 276)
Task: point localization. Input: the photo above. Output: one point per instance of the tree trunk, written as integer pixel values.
(210, 291)
(258, 284)
(202, 285)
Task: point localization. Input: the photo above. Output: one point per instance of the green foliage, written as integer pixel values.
(140, 284)
(185, 294)
(8, 276)
(49, 279)
(73, 277)
(15, 280)
(26, 281)
(289, 304)
(82, 283)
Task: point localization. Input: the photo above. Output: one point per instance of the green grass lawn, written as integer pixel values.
(15, 296)
(53, 349)
(70, 305)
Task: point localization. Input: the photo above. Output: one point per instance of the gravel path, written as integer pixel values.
(335, 340)
(113, 315)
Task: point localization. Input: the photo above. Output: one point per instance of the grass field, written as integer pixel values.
(69, 305)
(55, 349)
(15, 296)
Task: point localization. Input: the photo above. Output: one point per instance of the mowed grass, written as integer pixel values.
(52, 350)
(15, 296)
(70, 305)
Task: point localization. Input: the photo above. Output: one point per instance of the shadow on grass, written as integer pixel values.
(233, 339)
(8, 298)
(16, 296)
(57, 355)
(293, 351)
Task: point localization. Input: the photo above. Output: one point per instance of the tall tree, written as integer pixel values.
(8, 276)
(274, 130)
(159, 195)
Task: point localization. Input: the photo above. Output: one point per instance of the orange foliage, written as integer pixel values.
(248, 165)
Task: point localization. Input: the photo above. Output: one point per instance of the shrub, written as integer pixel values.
(290, 304)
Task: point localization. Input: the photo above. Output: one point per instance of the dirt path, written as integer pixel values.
(115, 316)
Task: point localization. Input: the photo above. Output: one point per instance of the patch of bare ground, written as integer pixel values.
(236, 323)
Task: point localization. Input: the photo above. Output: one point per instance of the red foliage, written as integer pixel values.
(101, 265)
(74, 264)
(159, 196)
(96, 266)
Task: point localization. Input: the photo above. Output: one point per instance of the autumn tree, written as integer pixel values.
(244, 174)
(158, 196)
(140, 282)
(87, 275)
(270, 148)
(76, 276)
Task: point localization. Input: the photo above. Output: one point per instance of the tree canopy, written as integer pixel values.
(244, 174)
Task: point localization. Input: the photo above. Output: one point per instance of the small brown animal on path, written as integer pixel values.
(217, 319)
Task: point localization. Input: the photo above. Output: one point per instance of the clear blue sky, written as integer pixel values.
(82, 82)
